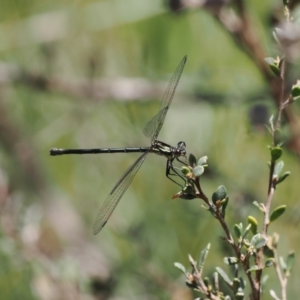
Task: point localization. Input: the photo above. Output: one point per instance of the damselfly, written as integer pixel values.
(151, 130)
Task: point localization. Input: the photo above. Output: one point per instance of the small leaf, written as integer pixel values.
(283, 177)
(239, 296)
(206, 281)
(192, 160)
(224, 204)
(276, 153)
(253, 268)
(190, 284)
(254, 224)
(198, 171)
(264, 280)
(273, 295)
(180, 267)
(185, 170)
(246, 231)
(269, 60)
(236, 284)
(268, 251)
(260, 206)
(278, 32)
(224, 276)
(269, 262)
(238, 228)
(187, 193)
(242, 283)
(273, 64)
(192, 262)
(258, 241)
(290, 263)
(230, 260)
(219, 194)
(277, 212)
(296, 90)
(283, 264)
(202, 161)
(278, 168)
(215, 281)
(275, 240)
(202, 257)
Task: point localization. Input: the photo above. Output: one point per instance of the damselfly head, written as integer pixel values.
(181, 148)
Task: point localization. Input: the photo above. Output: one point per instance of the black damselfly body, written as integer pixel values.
(151, 130)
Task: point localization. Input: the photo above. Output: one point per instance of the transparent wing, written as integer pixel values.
(116, 194)
(153, 127)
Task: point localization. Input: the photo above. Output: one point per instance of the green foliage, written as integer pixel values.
(296, 91)
(276, 153)
(277, 212)
(274, 65)
(219, 194)
(254, 224)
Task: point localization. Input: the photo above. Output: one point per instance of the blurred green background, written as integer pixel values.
(87, 74)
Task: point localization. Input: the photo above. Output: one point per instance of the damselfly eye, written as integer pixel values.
(181, 145)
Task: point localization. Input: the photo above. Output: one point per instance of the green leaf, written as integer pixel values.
(190, 283)
(224, 203)
(192, 160)
(253, 268)
(224, 276)
(277, 212)
(283, 264)
(260, 206)
(247, 230)
(230, 260)
(269, 262)
(258, 241)
(276, 153)
(275, 240)
(254, 224)
(278, 168)
(275, 37)
(283, 177)
(187, 193)
(215, 281)
(264, 280)
(268, 251)
(273, 64)
(236, 284)
(296, 90)
(219, 194)
(202, 161)
(202, 257)
(185, 170)
(239, 296)
(273, 295)
(269, 60)
(198, 171)
(180, 267)
(192, 262)
(290, 262)
(238, 229)
(206, 281)
(278, 32)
